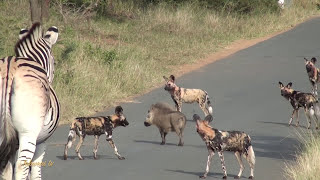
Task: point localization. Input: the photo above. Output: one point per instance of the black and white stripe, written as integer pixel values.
(29, 105)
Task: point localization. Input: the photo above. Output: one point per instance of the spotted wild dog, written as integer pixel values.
(182, 95)
(313, 74)
(220, 141)
(299, 99)
(96, 126)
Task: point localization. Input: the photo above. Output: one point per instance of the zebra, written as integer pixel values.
(29, 106)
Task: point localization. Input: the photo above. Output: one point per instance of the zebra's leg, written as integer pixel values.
(238, 156)
(37, 160)
(95, 150)
(220, 153)
(27, 148)
(210, 155)
(79, 146)
(7, 172)
(110, 141)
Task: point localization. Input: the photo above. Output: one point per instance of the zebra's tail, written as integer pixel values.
(71, 138)
(8, 135)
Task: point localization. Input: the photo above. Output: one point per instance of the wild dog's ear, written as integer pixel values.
(22, 33)
(313, 60)
(165, 78)
(306, 60)
(172, 78)
(280, 84)
(196, 117)
(208, 118)
(289, 85)
(118, 110)
(52, 35)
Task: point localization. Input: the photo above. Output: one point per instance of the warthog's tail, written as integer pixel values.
(71, 138)
(209, 107)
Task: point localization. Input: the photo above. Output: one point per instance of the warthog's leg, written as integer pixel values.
(163, 136)
(95, 150)
(238, 156)
(110, 141)
(210, 155)
(79, 146)
(179, 132)
(220, 153)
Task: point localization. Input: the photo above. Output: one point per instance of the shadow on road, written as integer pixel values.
(276, 147)
(210, 175)
(101, 157)
(283, 124)
(168, 144)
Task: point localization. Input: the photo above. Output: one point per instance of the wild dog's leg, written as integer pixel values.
(177, 102)
(292, 116)
(37, 159)
(220, 153)
(306, 112)
(251, 158)
(210, 155)
(79, 146)
(95, 150)
(202, 104)
(238, 156)
(110, 141)
(27, 147)
(297, 111)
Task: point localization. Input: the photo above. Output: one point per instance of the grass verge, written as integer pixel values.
(102, 60)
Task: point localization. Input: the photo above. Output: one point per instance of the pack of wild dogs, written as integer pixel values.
(32, 72)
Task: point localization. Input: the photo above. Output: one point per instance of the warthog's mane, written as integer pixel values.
(163, 107)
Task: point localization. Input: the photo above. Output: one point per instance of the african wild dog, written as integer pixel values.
(167, 119)
(234, 141)
(299, 99)
(313, 74)
(96, 126)
(180, 95)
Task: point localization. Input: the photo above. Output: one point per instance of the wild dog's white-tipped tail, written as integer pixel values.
(210, 109)
(71, 138)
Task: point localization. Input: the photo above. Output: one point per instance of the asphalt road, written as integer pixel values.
(245, 95)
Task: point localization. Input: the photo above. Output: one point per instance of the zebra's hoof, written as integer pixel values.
(250, 177)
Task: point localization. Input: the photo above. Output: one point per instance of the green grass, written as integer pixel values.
(101, 60)
(307, 163)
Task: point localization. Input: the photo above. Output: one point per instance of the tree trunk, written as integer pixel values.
(35, 8)
(45, 10)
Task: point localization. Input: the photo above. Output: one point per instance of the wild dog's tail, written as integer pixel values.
(8, 135)
(251, 158)
(209, 107)
(71, 138)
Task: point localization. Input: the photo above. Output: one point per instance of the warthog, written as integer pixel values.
(167, 119)
(95, 126)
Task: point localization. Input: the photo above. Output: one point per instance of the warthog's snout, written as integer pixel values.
(147, 124)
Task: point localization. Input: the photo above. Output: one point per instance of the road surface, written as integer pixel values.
(245, 95)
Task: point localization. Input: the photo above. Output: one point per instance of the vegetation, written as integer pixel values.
(306, 166)
(109, 50)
